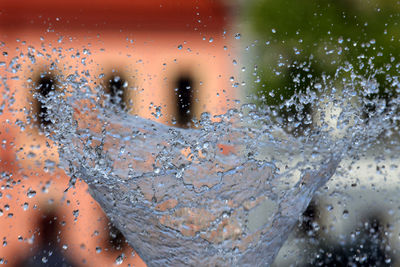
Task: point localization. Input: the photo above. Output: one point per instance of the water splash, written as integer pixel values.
(229, 190)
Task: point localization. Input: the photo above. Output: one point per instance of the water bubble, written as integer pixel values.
(238, 36)
(180, 47)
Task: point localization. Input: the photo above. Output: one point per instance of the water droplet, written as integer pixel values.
(31, 193)
(119, 259)
(329, 208)
(345, 214)
(75, 213)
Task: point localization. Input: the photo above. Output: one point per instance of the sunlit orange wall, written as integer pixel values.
(150, 43)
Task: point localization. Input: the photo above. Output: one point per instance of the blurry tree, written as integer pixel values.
(299, 41)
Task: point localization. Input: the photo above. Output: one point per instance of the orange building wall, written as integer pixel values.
(140, 40)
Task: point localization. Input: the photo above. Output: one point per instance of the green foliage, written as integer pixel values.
(308, 38)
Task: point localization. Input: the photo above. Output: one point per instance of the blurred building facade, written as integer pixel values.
(164, 60)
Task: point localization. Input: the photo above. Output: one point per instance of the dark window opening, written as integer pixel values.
(308, 219)
(116, 89)
(116, 239)
(44, 85)
(184, 101)
(47, 250)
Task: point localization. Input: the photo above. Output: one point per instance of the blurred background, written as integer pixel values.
(294, 47)
(170, 61)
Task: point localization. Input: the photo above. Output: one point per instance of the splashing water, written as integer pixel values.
(229, 190)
